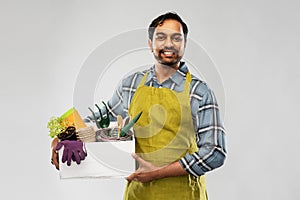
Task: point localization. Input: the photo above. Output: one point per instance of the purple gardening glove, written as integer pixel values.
(73, 150)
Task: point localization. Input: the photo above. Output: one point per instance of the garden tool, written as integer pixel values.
(126, 128)
(103, 122)
(120, 123)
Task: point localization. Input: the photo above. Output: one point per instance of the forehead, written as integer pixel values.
(169, 26)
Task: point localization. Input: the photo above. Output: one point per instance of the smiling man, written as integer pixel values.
(180, 135)
(182, 139)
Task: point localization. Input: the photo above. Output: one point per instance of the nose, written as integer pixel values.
(168, 42)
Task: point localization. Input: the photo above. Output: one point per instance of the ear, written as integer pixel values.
(150, 45)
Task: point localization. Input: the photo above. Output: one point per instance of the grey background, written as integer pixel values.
(254, 44)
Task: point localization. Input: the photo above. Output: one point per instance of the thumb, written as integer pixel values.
(137, 158)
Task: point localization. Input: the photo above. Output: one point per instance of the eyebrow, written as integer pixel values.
(162, 33)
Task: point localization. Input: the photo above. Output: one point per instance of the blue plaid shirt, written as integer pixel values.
(208, 125)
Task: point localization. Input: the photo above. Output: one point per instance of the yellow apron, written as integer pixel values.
(164, 134)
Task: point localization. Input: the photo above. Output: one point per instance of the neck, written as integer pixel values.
(164, 72)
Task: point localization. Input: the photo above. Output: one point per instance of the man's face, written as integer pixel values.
(168, 43)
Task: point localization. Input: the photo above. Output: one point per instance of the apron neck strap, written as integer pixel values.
(188, 77)
(143, 80)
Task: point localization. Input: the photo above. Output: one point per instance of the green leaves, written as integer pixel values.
(56, 126)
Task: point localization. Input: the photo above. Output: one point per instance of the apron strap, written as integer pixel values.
(188, 77)
(143, 80)
(187, 83)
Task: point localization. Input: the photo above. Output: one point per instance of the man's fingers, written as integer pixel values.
(54, 160)
(141, 177)
(132, 177)
(56, 164)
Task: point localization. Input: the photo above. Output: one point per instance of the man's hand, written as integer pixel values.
(149, 172)
(54, 154)
(146, 171)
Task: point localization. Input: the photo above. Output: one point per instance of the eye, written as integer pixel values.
(177, 38)
(160, 37)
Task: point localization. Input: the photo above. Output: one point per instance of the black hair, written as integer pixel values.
(160, 20)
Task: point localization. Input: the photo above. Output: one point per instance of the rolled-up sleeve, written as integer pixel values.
(114, 105)
(210, 135)
(119, 102)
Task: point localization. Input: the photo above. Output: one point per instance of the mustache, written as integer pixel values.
(168, 49)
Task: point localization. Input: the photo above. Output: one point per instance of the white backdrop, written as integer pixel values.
(254, 44)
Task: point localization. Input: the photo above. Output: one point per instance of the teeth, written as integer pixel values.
(168, 53)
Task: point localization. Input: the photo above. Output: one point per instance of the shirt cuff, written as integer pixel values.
(189, 164)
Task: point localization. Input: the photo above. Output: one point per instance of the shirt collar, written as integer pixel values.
(178, 77)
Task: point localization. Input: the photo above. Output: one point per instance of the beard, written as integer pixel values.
(172, 63)
(168, 61)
